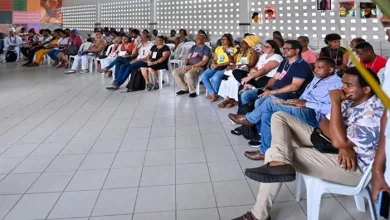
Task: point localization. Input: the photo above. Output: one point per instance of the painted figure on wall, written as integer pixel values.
(51, 11)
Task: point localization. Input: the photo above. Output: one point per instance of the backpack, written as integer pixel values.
(137, 81)
(11, 56)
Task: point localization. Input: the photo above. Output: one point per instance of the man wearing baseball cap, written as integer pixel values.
(12, 43)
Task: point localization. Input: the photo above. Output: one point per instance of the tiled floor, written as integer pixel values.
(70, 149)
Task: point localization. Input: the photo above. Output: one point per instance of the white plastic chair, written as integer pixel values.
(97, 59)
(171, 46)
(180, 56)
(83, 46)
(315, 187)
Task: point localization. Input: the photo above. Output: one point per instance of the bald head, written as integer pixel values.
(386, 24)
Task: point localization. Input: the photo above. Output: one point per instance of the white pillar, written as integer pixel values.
(153, 15)
(245, 20)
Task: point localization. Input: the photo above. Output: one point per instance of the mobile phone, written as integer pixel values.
(382, 209)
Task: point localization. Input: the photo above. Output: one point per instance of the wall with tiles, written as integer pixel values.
(294, 18)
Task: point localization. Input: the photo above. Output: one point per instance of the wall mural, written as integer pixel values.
(36, 14)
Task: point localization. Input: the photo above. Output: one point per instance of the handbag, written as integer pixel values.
(322, 143)
(72, 50)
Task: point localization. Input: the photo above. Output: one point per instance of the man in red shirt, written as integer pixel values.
(368, 58)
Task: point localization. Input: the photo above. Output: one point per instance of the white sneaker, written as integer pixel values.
(84, 71)
(4, 61)
(70, 71)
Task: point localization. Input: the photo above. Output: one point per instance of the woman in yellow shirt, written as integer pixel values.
(222, 58)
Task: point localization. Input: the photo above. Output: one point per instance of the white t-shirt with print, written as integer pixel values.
(144, 50)
(386, 89)
(264, 60)
(362, 123)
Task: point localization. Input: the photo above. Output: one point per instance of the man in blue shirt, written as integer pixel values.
(310, 108)
(290, 80)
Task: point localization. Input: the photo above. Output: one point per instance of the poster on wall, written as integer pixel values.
(50, 11)
(368, 10)
(347, 9)
(270, 13)
(256, 19)
(324, 5)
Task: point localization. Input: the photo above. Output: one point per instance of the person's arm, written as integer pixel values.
(202, 63)
(163, 58)
(347, 155)
(253, 61)
(272, 81)
(264, 70)
(6, 42)
(378, 180)
(293, 87)
(185, 63)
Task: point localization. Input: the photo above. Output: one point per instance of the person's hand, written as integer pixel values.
(245, 80)
(378, 184)
(267, 92)
(338, 95)
(297, 102)
(246, 87)
(186, 68)
(213, 66)
(133, 61)
(11, 47)
(347, 159)
(230, 67)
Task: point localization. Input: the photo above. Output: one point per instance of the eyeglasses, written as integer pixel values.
(287, 49)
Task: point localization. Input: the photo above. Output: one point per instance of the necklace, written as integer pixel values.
(376, 57)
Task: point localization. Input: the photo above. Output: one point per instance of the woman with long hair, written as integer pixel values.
(222, 58)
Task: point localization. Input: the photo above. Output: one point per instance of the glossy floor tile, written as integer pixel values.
(72, 150)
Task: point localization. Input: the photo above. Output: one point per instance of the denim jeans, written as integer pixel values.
(53, 54)
(216, 77)
(118, 62)
(262, 115)
(251, 96)
(125, 70)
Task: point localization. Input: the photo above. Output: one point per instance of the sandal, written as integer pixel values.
(214, 97)
(208, 96)
(231, 104)
(224, 103)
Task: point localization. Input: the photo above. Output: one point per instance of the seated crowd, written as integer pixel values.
(284, 91)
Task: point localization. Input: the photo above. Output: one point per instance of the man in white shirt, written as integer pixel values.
(380, 169)
(140, 61)
(12, 43)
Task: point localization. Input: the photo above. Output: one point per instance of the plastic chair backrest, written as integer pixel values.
(109, 49)
(85, 46)
(171, 46)
(184, 51)
(191, 43)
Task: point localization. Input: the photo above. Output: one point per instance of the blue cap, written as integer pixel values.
(75, 31)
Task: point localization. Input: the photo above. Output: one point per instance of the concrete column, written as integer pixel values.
(153, 15)
(245, 20)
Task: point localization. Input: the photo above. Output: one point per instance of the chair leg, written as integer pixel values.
(314, 194)
(360, 204)
(367, 194)
(160, 78)
(299, 188)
